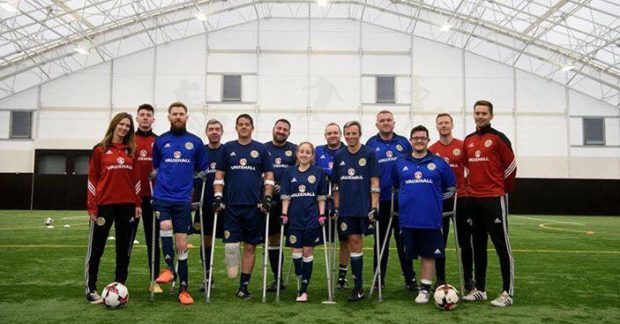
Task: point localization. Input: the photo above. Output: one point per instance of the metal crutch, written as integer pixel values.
(202, 238)
(265, 258)
(330, 292)
(378, 269)
(280, 252)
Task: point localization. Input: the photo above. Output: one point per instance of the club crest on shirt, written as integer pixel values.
(301, 188)
(189, 145)
(226, 234)
(351, 171)
(292, 239)
(456, 152)
(399, 147)
(343, 226)
(477, 153)
(143, 153)
(488, 143)
(431, 166)
(418, 175)
(243, 161)
(197, 226)
(254, 153)
(100, 221)
(288, 153)
(278, 160)
(362, 162)
(389, 154)
(311, 179)
(120, 160)
(177, 154)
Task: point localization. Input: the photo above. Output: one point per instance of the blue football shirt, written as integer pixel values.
(387, 153)
(303, 189)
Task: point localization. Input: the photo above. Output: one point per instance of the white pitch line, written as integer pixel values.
(550, 220)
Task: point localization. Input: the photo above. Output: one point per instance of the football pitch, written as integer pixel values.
(566, 272)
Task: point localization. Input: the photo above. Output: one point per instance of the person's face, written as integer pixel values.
(281, 131)
(177, 117)
(244, 127)
(482, 115)
(122, 128)
(305, 154)
(332, 135)
(145, 119)
(214, 132)
(419, 141)
(444, 126)
(352, 135)
(385, 123)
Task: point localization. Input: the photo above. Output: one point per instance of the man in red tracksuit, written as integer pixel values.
(144, 158)
(492, 170)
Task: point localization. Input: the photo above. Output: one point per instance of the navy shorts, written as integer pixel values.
(179, 213)
(423, 242)
(354, 225)
(207, 221)
(299, 238)
(244, 224)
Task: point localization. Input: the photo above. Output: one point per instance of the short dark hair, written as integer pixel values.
(146, 107)
(484, 103)
(214, 121)
(177, 104)
(245, 116)
(352, 123)
(418, 128)
(282, 120)
(444, 115)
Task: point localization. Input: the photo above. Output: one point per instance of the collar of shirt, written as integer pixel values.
(148, 133)
(483, 130)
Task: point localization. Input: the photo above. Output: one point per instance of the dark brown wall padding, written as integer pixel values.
(15, 190)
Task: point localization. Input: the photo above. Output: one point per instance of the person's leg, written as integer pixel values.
(96, 247)
(124, 239)
(464, 232)
(498, 231)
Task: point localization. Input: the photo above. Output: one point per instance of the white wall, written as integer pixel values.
(313, 73)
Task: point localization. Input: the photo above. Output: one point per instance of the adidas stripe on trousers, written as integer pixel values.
(489, 217)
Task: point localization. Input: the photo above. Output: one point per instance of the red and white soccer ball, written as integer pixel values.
(446, 297)
(115, 295)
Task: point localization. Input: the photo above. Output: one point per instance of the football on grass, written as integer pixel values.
(115, 295)
(48, 221)
(446, 297)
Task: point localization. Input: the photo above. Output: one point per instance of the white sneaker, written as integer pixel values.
(303, 297)
(94, 298)
(502, 300)
(475, 295)
(423, 297)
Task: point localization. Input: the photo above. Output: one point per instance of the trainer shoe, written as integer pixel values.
(274, 286)
(356, 295)
(503, 300)
(165, 277)
(342, 283)
(243, 293)
(94, 298)
(155, 288)
(469, 286)
(377, 286)
(475, 295)
(185, 298)
(412, 285)
(423, 297)
(302, 297)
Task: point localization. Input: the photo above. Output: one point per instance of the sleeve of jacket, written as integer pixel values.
(94, 168)
(136, 180)
(509, 164)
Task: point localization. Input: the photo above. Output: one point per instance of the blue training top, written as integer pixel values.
(212, 155)
(177, 156)
(423, 184)
(387, 153)
(303, 189)
(324, 157)
(281, 158)
(352, 173)
(244, 166)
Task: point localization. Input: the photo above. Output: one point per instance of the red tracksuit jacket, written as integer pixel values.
(453, 155)
(112, 178)
(491, 163)
(144, 153)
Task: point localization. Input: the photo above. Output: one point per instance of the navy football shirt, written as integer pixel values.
(303, 189)
(281, 158)
(387, 153)
(244, 166)
(324, 157)
(352, 173)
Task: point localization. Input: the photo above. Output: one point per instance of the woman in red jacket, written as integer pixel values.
(113, 197)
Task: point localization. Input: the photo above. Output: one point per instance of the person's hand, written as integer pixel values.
(266, 204)
(284, 219)
(153, 174)
(218, 204)
(322, 220)
(373, 214)
(138, 213)
(93, 217)
(334, 214)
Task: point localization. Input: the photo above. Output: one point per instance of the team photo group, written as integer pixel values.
(293, 198)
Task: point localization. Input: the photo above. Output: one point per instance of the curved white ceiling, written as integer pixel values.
(574, 42)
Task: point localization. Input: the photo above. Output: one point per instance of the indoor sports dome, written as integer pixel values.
(551, 69)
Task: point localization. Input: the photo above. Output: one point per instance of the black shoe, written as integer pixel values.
(412, 285)
(377, 286)
(274, 286)
(243, 293)
(342, 283)
(357, 295)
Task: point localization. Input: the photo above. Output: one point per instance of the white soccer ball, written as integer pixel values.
(48, 221)
(446, 297)
(115, 295)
